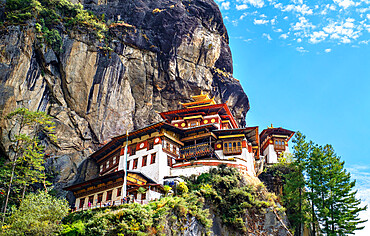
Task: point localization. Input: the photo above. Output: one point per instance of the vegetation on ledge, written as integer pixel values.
(53, 17)
(155, 218)
(223, 190)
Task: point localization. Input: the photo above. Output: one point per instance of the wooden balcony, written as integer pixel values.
(195, 151)
(232, 150)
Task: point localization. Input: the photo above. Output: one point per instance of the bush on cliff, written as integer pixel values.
(38, 214)
(226, 191)
(53, 17)
(168, 213)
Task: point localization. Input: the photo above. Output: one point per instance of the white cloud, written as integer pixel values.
(302, 24)
(284, 36)
(225, 5)
(255, 3)
(260, 22)
(344, 31)
(278, 30)
(301, 49)
(285, 18)
(302, 9)
(344, 3)
(298, 1)
(267, 36)
(364, 42)
(241, 7)
(299, 40)
(318, 36)
(273, 21)
(328, 50)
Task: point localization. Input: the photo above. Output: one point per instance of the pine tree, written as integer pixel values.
(341, 212)
(320, 179)
(295, 196)
(26, 154)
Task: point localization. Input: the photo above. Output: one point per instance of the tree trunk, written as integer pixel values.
(8, 192)
(300, 212)
(23, 192)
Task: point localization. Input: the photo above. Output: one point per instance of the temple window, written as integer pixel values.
(119, 192)
(132, 151)
(153, 157)
(169, 161)
(279, 144)
(101, 168)
(232, 147)
(192, 124)
(143, 196)
(107, 166)
(174, 149)
(167, 145)
(128, 165)
(144, 160)
(100, 197)
(135, 164)
(82, 202)
(150, 145)
(109, 195)
(114, 160)
(91, 199)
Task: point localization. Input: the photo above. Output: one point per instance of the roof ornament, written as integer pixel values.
(200, 100)
(270, 127)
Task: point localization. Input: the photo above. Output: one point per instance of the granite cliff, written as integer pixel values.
(155, 54)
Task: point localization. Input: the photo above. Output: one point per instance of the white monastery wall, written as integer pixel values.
(271, 156)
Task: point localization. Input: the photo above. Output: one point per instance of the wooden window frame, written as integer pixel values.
(82, 203)
(150, 145)
(153, 157)
(109, 195)
(232, 147)
(144, 161)
(100, 197)
(119, 192)
(135, 163)
(133, 150)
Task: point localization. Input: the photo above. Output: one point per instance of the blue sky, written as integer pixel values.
(305, 65)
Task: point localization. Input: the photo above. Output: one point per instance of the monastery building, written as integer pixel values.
(200, 136)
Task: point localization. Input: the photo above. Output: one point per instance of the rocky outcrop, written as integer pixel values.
(158, 53)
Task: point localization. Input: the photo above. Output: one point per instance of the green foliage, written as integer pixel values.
(24, 165)
(182, 188)
(75, 229)
(38, 214)
(136, 219)
(141, 190)
(225, 189)
(319, 191)
(167, 189)
(52, 17)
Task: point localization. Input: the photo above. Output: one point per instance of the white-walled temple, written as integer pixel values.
(200, 136)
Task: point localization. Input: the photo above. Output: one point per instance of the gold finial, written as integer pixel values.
(271, 127)
(202, 99)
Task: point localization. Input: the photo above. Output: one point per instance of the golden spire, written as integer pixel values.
(199, 100)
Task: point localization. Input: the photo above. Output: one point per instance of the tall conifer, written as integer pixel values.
(294, 190)
(341, 212)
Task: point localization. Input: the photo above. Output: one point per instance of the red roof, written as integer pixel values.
(276, 131)
(219, 108)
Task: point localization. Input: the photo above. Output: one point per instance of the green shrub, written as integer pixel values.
(51, 16)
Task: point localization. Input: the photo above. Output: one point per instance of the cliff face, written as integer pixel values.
(157, 55)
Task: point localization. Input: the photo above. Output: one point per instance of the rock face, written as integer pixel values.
(160, 54)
